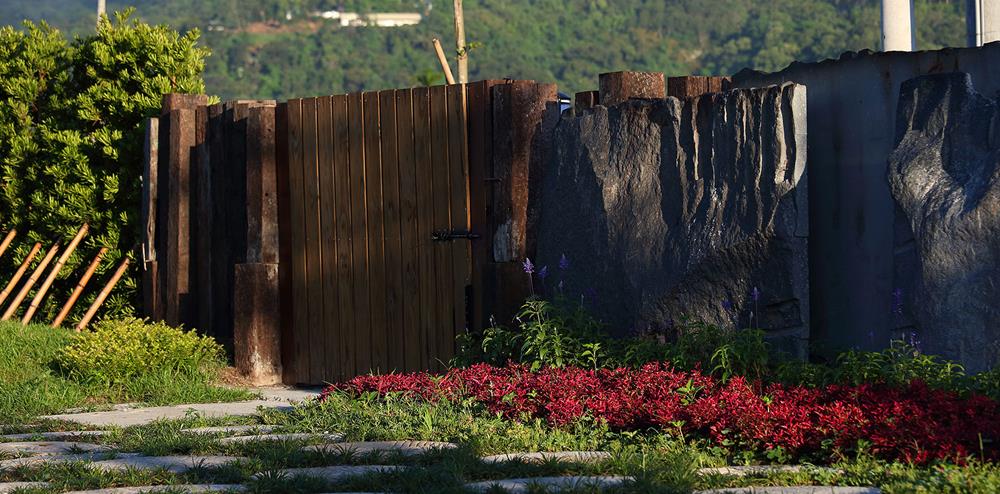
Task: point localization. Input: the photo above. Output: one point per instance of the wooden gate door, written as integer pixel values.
(377, 256)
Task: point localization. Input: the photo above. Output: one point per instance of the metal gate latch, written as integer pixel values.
(445, 235)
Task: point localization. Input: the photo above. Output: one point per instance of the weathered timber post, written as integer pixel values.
(524, 115)
(151, 306)
(618, 87)
(256, 303)
(694, 86)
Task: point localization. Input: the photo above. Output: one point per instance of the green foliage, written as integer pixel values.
(118, 352)
(71, 135)
(566, 41)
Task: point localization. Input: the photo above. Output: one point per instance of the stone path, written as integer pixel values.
(331, 438)
(51, 436)
(161, 488)
(805, 489)
(338, 472)
(542, 457)
(50, 448)
(760, 470)
(231, 429)
(175, 464)
(552, 483)
(6, 487)
(405, 448)
(54, 459)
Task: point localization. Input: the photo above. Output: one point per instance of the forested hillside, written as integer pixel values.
(275, 49)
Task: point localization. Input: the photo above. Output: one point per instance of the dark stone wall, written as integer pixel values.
(669, 209)
(944, 174)
(862, 254)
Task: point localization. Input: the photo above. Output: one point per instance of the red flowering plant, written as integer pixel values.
(914, 423)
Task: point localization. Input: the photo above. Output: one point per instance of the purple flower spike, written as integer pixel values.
(528, 266)
(755, 294)
(564, 262)
(544, 272)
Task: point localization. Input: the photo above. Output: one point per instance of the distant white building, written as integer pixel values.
(385, 19)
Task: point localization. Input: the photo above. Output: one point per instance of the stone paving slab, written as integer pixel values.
(142, 416)
(542, 457)
(29, 461)
(331, 438)
(168, 488)
(335, 473)
(760, 470)
(552, 483)
(6, 487)
(52, 436)
(231, 429)
(406, 448)
(798, 489)
(50, 448)
(175, 464)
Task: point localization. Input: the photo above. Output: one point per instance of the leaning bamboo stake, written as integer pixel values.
(103, 295)
(42, 290)
(79, 287)
(444, 61)
(7, 240)
(20, 272)
(37, 273)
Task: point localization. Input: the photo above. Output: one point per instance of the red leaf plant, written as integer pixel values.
(916, 424)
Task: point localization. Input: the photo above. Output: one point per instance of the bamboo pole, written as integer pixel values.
(20, 272)
(31, 282)
(460, 48)
(7, 240)
(103, 295)
(444, 61)
(42, 290)
(79, 287)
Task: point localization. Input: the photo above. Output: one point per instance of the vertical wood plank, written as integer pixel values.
(376, 232)
(480, 121)
(201, 225)
(283, 200)
(443, 257)
(314, 261)
(178, 272)
(150, 296)
(344, 234)
(217, 181)
(328, 239)
(394, 298)
(299, 269)
(408, 235)
(426, 266)
(458, 169)
(359, 234)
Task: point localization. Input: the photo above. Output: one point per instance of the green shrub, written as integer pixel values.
(71, 135)
(118, 353)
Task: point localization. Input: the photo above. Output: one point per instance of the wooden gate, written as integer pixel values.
(379, 239)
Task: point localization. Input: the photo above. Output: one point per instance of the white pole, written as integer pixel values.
(983, 20)
(897, 25)
(101, 10)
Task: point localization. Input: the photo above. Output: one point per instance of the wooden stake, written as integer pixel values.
(20, 272)
(460, 48)
(444, 61)
(42, 290)
(79, 287)
(103, 295)
(37, 273)
(7, 240)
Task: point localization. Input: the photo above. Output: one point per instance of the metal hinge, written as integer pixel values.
(445, 235)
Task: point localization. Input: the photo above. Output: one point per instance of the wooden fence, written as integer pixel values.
(323, 238)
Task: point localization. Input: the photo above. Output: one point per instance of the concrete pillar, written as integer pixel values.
(983, 21)
(897, 26)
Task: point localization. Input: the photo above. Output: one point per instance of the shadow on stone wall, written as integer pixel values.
(670, 209)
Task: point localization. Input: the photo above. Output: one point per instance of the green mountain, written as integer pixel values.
(279, 49)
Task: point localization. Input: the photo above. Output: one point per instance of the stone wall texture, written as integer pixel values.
(944, 174)
(670, 208)
(861, 249)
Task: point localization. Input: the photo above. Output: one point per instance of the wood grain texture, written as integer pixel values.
(458, 171)
(409, 240)
(344, 235)
(299, 268)
(443, 254)
(394, 299)
(360, 235)
(426, 264)
(376, 233)
(328, 240)
(313, 247)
